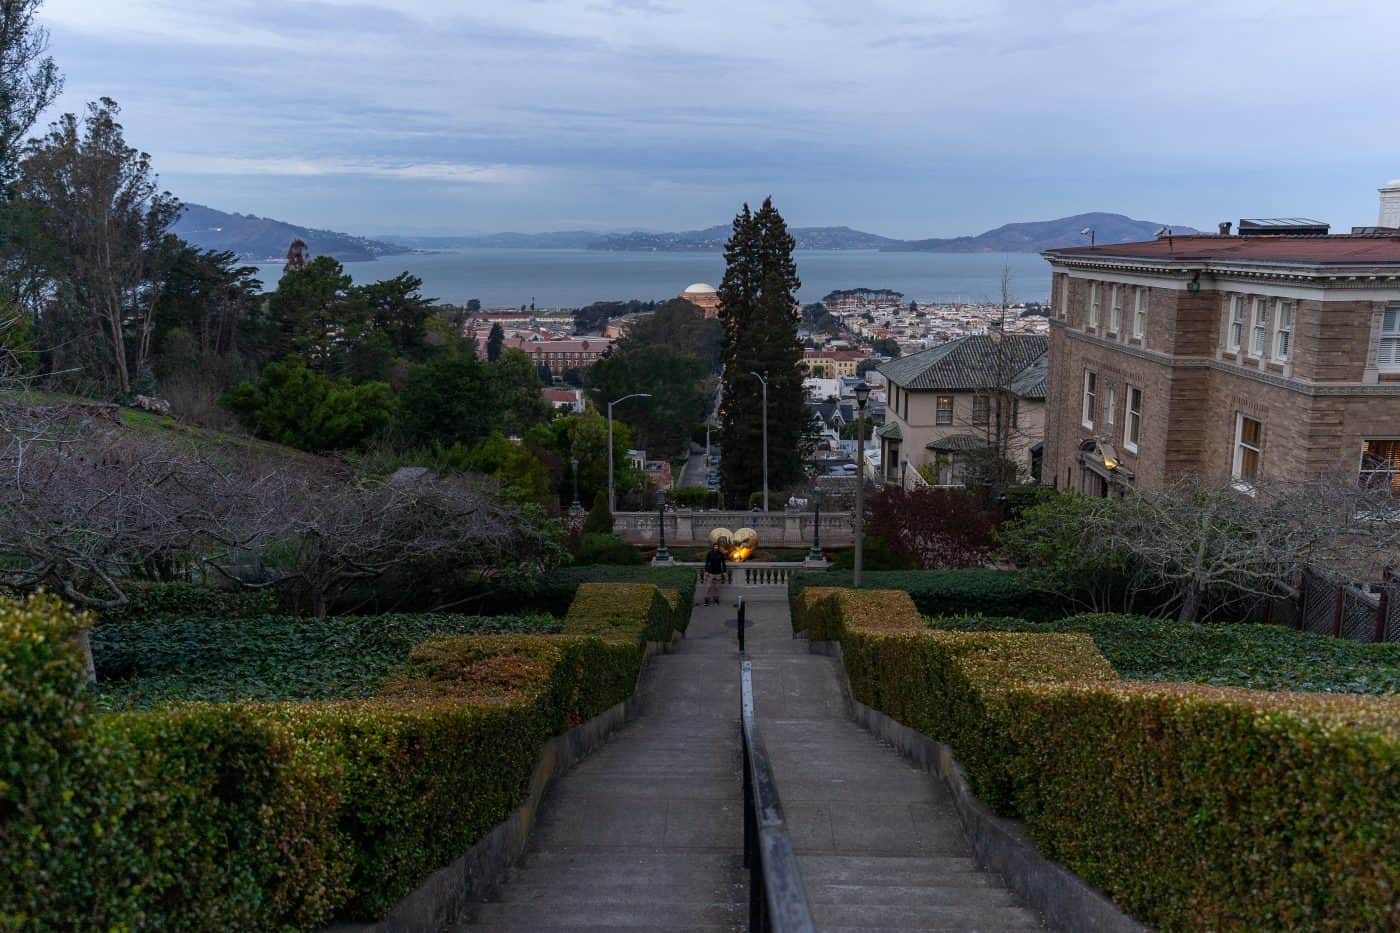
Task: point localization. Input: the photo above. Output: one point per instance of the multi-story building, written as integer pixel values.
(1230, 357)
(832, 364)
(950, 404)
(562, 355)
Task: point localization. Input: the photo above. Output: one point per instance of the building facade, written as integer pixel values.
(1231, 357)
(832, 364)
(949, 406)
(703, 296)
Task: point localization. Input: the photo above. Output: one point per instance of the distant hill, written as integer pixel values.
(712, 238)
(1044, 234)
(563, 239)
(257, 239)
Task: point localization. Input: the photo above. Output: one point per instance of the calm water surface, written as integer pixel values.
(575, 277)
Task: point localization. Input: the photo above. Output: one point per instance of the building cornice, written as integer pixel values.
(1316, 275)
(1300, 386)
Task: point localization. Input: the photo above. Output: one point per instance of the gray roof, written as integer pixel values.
(967, 363)
(1030, 382)
(957, 442)
(890, 430)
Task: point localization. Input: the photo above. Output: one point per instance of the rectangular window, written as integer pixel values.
(1140, 314)
(1261, 328)
(1249, 448)
(1380, 465)
(980, 409)
(1110, 411)
(1115, 320)
(1064, 297)
(1388, 353)
(1283, 336)
(1236, 322)
(1090, 388)
(1093, 304)
(945, 410)
(1132, 419)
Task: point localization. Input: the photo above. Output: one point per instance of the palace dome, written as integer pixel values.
(699, 288)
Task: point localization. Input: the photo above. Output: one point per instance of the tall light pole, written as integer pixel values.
(612, 495)
(862, 396)
(765, 437)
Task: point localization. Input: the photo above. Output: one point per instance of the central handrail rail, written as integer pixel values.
(777, 895)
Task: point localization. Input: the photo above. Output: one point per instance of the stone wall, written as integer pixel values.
(785, 529)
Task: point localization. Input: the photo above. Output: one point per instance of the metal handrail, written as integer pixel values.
(777, 896)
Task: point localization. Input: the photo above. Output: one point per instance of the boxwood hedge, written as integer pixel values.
(952, 592)
(1193, 806)
(280, 815)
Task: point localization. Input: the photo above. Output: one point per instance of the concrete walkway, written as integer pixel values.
(880, 845)
(646, 833)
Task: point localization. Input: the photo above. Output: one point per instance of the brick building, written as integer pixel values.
(561, 355)
(1227, 356)
(832, 364)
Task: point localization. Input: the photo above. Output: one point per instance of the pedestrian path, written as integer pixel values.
(878, 840)
(647, 832)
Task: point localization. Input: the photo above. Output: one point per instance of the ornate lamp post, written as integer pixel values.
(862, 396)
(765, 437)
(612, 495)
(663, 554)
(815, 556)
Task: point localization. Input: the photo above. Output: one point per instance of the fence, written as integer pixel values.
(1346, 611)
(685, 527)
(765, 574)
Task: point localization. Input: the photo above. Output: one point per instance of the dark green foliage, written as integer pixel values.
(309, 315)
(759, 315)
(148, 601)
(694, 497)
(592, 319)
(679, 388)
(677, 326)
(143, 663)
(554, 594)
(954, 592)
(599, 520)
(447, 400)
(606, 549)
(297, 406)
(495, 341)
(875, 555)
(397, 311)
(1261, 657)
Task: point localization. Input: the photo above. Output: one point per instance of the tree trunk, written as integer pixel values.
(1190, 603)
(85, 646)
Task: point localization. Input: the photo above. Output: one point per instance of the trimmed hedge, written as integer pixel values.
(1260, 657)
(555, 593)
(951, 592)
(1259, 810)
(596, 548)
(280, 815)
(149, 600)
(1214, 808)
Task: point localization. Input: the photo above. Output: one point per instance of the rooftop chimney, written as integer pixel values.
(1225, 226)
(1390, 204)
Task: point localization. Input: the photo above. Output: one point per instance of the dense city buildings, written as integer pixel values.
(1235, 357)
(952, 406)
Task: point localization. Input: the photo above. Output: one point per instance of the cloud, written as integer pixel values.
(443, 172)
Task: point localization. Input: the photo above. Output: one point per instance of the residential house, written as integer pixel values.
(950, 405)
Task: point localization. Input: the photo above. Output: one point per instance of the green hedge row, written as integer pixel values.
(150, 600)
(281, 815)
(1194, 807)
(951, 592)
(1260, 657)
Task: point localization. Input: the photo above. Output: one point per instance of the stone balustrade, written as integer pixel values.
(775, 529)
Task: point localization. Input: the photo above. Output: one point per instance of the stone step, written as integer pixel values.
(608, 888)
(638, 861)
(649, 914)
(894, 870)
(966, 918)
(977, 892)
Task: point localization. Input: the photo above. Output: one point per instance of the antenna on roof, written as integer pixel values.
(1167, 232)
(1088, 232)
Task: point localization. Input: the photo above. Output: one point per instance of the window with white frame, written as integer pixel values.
(1380, 465)
(1093, 304)
(1110, 410)
(1091, 380)
(1140, 313)
(1249, 448)
(1388, 353)
(1283, 330)
(1236, 322)
(1260, 341)
(1132, 419)
(944, 413)
(1115, 319)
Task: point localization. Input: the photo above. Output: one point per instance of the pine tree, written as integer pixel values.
(759, 311)
(494, 342)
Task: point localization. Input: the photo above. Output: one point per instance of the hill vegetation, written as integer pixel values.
(257, 239)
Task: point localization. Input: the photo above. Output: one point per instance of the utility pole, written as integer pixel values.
(612, 495)
(765, 438)
(862, 396)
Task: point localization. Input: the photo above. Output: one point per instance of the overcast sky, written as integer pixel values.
(901, 117)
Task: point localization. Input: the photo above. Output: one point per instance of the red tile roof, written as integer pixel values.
(1300, 250)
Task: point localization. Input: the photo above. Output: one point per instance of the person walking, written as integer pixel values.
(714, 573)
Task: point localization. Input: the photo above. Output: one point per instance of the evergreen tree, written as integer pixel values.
(494, 341)
(759, 311)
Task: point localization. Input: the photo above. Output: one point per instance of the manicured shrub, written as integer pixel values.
(179, 600)
(605, 549)
(635, 613)
(1211, 808)
(600, 519)
(555, 593)
(954, 592)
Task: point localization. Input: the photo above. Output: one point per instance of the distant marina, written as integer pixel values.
(567, 278)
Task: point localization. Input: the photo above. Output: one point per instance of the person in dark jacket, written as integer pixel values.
(715, 569)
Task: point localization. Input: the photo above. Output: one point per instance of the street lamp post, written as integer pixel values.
(765, 438)
(574, 463)
(612, 494)
(862, 396)
(663, 554)
(814, 556)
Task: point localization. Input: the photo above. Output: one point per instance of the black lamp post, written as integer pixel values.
(862, 396)
(663, 555)
(574, 463)
(814, 556)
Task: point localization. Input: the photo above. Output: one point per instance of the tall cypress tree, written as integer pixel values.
(759, 311)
